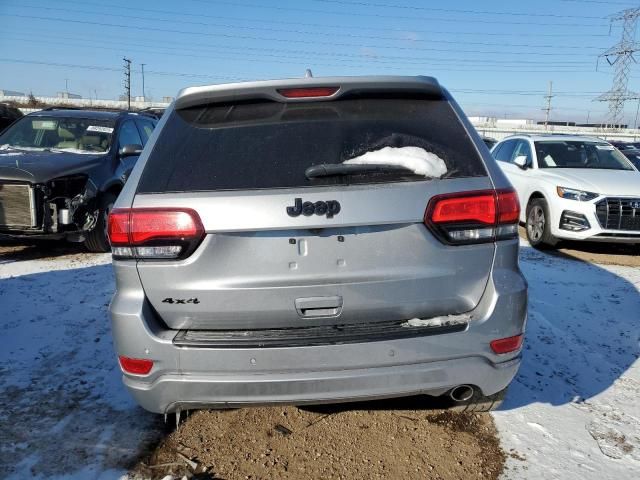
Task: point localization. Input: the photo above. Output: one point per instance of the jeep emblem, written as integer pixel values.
(328, 208)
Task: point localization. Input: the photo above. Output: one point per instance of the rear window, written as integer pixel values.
(261, 145)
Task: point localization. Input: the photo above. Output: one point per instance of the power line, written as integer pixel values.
(401, 17)
(332, 25)
(307, 42)
(452, 10)
(290, 54)
(325, 34)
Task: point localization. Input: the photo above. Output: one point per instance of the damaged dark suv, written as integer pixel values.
(62, 170)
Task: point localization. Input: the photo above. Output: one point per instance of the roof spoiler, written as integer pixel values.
(316, 88)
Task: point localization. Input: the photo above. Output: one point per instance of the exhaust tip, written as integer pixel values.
(461, 393)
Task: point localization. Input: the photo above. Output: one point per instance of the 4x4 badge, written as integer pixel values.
(328, 208)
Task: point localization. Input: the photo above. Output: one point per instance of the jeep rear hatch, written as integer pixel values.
(281, 249)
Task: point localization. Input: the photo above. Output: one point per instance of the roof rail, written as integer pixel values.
(91, 108)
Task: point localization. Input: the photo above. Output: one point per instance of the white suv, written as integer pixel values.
(572, 187)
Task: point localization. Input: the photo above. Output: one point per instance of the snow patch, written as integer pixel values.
(437, 321)
(416, 159)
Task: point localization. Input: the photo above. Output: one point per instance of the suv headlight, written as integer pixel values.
(573, 194)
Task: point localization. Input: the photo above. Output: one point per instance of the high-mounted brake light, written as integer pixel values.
(154, 233)
(137, 366)
(474, 217)
(313, 92)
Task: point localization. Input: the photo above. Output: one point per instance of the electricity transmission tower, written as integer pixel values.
(620, 56)
(127, 81)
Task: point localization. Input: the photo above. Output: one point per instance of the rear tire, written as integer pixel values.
(480, 403)
(97, 240)
(538, 226)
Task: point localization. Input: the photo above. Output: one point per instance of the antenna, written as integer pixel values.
(620, 56)
(127, 80)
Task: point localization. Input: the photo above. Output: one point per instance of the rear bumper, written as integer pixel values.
(193, 377)
(184, 391)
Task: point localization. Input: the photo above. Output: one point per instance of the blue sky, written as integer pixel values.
(496, 57)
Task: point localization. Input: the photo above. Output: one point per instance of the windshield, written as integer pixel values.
(580, 154)
(77, 135)
(634, 157)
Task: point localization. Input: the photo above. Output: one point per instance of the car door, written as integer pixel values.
(128, 135)
(510, 150)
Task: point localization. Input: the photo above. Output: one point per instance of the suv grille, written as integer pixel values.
(619, 213)
(17, 207)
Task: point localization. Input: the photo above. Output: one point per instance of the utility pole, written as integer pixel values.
(620, 56)
(144, 95)
(127, 80)
(547, 109)
(66, 85)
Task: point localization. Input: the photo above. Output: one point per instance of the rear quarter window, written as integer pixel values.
(258, 145)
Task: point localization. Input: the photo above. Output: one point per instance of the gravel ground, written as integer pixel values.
(390, 439)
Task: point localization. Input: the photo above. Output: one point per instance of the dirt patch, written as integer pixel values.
(296, 443)
(15, 251)
(595, 252)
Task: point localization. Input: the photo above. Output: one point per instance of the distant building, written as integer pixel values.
(68, 95)
(601, 125)
(167, 99)
(559, 124)
(11, 93)
(513, 122)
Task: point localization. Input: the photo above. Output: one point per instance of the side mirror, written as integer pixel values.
(130, 150)
(521, 161)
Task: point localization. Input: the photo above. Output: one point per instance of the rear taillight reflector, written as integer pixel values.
(153, 224)
(474, 217)
(508, 206)
(118, 227)
(507, 345)
(137, 366)
(157, 233)
(314, 92)
(472, 208)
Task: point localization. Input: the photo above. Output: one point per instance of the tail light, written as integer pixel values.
(507, 345)
(137, 366)
(474, 217)
(154, 233)
(313, 92)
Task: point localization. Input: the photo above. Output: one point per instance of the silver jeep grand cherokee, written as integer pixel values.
(316, 240)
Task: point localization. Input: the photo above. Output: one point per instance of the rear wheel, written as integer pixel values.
(538, 226)
(480, 403)
(97, 240)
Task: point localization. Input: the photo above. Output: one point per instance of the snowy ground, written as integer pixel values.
(64, 411)
(573, 411)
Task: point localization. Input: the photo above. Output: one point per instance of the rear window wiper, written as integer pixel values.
(330, 169)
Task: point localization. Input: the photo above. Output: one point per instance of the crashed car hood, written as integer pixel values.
(39, 167)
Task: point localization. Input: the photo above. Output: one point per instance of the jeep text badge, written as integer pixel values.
(328, 208)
